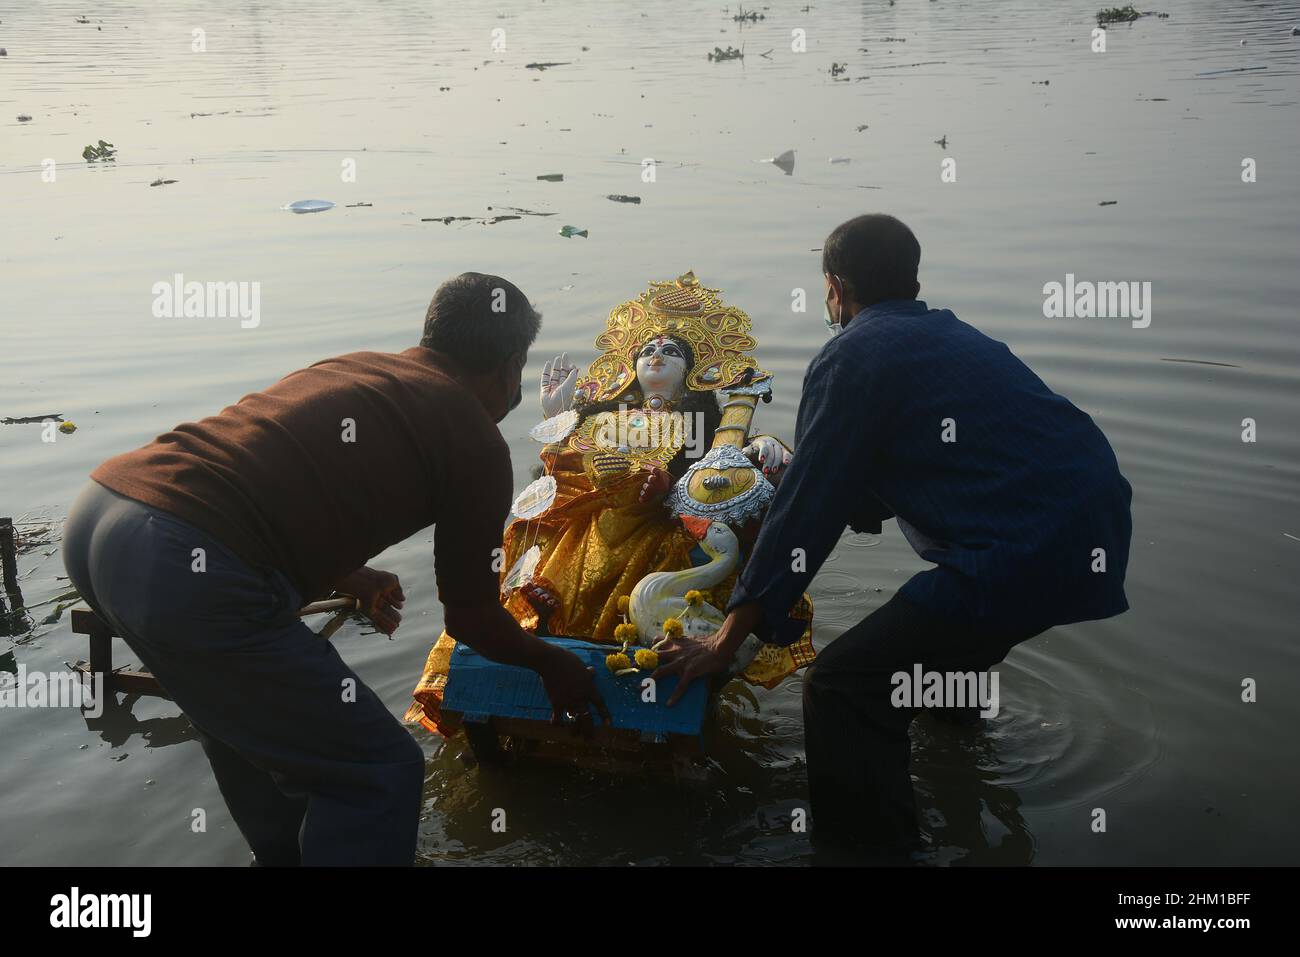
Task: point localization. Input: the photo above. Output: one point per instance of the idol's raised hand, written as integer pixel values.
(559, 380)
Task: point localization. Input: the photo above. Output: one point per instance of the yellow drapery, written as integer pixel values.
(597, 541)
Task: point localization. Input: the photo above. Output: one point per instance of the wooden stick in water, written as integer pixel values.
(329, 604)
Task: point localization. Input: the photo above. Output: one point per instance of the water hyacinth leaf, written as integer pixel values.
(104, 151)
(536, 498)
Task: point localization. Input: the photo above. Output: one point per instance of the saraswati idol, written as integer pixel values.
(651, 488)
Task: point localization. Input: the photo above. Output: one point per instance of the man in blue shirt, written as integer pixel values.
(1012, 492)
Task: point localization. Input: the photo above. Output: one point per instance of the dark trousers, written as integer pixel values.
(856, 738)
(313, 766)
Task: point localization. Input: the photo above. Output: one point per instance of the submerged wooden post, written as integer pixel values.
(10, 620)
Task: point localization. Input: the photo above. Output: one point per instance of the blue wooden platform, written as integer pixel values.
(480, 689)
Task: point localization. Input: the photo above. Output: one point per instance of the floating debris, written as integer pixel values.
(1203, 362)
(1109, 202)
(841, 159)
(67, 428)
(24, 118)
(309, 206)
(481, 220)
(838, 68)
(3, 52)
(31, 419)
(568, 232)
(943, 142)
(552, 177)
(1040, 82)
(53, 617)
(620, 198)
(860, 127)
(358, 205)
(730, 53)
(104, 151)
(541, 66)
(749, 15)
(1239, 69)
(163, 182)
(784, 162)
(1126, 14)
(904, 66)
(521, 212)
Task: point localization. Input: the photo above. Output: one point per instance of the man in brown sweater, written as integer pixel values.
(201, 546)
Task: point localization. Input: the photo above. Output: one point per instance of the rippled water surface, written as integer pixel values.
(1141, 715)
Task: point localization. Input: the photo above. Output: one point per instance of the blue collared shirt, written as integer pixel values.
(1013, 493)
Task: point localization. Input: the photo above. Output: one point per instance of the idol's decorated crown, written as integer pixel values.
(718, 335)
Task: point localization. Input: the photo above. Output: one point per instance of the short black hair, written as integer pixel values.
(480, 321)
(876, 256)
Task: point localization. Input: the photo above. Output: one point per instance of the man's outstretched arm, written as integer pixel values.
(823, 488)
(490, 630)
(467, 550)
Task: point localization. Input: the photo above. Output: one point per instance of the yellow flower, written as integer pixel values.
(626, 632)
(672, 628)
(693, 597)
(647, 659)
(706, 596)
(623, 602)
(616, 663)
(67, 428)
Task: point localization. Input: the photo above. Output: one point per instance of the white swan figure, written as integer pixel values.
(662, 595)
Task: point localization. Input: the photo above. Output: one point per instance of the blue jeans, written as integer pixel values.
(313, 766)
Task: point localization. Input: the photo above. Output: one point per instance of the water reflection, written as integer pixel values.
(117, 725)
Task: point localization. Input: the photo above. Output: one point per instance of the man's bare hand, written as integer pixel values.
(690, 659)
(571, 686)
(380, 595)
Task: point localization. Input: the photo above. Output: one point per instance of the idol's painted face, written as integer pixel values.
(661, 368)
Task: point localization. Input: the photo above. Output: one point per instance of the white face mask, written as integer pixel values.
(836, 326)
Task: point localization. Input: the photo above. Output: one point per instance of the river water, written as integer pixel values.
(434, 107)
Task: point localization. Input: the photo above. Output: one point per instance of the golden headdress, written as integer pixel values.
(718, 335)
